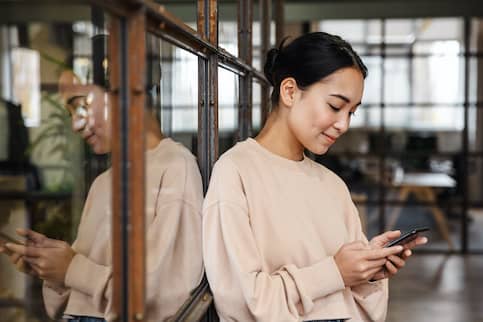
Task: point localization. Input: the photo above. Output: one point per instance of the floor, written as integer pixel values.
(438, 288)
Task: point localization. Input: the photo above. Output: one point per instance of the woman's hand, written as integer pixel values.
(49, 258)
(359, 262)
(395, 262)
(17, 261)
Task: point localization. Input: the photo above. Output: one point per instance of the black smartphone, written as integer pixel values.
(407, 237)
(4, 238)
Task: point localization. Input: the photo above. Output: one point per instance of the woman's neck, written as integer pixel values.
(277, 137)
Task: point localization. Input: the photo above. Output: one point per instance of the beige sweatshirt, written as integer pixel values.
(271, 227)
(173, 224)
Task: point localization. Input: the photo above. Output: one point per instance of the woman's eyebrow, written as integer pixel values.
(344, 98)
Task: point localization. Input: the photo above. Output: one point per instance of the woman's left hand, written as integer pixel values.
(49, 258)
(395, 262)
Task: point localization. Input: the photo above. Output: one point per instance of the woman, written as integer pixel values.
(282, 240)
(78, 278)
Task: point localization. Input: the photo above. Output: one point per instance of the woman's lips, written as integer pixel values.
(330, 138)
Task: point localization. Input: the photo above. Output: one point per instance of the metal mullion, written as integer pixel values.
(127, 52)
(245, 20)
(119, 204)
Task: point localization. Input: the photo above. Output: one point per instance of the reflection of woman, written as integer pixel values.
(78, 279)
(282, 240)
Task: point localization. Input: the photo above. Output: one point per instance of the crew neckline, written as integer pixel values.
(301, 164)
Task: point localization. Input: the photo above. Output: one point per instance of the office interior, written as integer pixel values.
(413, 156)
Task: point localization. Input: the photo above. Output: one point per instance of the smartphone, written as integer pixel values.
(407, 237)
(4, 238)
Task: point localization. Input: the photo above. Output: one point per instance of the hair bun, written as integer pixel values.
(270, 64)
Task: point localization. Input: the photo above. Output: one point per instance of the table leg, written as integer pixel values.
(438, 215)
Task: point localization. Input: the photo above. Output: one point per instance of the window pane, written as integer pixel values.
(438, 79)
(178, 97)
(425, 118)
(227, 109)
(372, 84)
(396, 81)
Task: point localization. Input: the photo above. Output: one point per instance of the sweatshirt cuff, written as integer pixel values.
(86, 276)
(367, 289)
(319, 280)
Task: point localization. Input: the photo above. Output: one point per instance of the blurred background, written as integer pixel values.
(413, 156)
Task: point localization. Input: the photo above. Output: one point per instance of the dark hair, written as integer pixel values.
(308, 59)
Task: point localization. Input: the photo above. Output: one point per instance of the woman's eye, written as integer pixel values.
(335, 108)
(352, 113)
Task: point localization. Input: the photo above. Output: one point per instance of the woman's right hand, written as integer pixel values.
(358, 262)
(18, 261)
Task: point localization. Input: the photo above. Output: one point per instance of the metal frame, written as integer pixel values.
(129, 23)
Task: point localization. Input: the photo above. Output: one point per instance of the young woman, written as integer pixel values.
(282, 240)
(78, 278)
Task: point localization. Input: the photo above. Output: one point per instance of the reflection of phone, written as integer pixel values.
(4, 238)
(407, 237)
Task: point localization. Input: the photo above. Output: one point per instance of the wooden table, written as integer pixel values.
(424, 187)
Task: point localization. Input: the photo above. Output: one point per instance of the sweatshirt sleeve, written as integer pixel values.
(55, 299)
(235, 268)
(372, 297)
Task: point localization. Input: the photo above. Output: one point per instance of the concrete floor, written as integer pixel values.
(438, 288)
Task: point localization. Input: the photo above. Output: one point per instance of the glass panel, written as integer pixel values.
(437, 118)
(438, 79)
(400, 31)
(227, 109)
(173, 89)
(228, 27)
(372, 84)
(354, 31)
(475, 128)
(45, 111)
(475, 180)
(396, 81)
(440, 29)
(476, 45)
(173, 185)
(475, 211)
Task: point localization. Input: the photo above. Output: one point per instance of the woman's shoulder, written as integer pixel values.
(329, 176)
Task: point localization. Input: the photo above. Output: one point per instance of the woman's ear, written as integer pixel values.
(288, 91)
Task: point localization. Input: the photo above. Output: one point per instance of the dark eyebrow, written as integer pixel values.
(342, 97)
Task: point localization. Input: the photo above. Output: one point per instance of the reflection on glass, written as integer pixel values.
(172, 76)
(227, 109)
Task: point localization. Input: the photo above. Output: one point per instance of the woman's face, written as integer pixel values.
(321, 113)
(90, 112)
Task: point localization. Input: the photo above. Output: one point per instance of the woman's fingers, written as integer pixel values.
(23, 250)
(382, 252)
